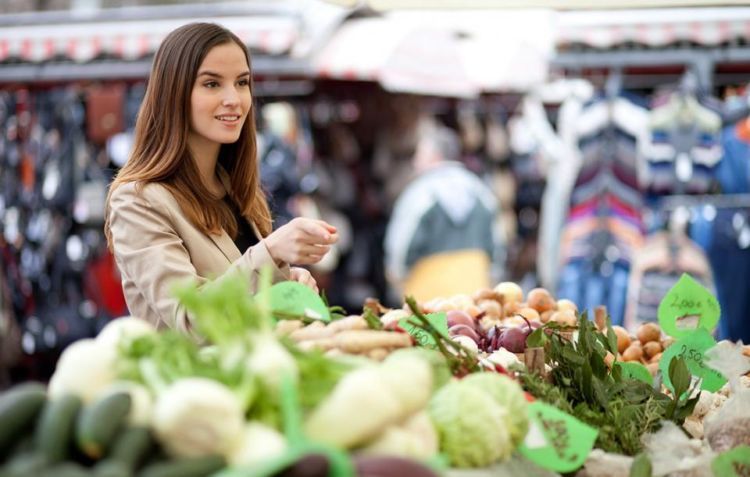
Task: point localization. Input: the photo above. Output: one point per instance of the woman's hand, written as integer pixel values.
(302, 241)
(304, 277)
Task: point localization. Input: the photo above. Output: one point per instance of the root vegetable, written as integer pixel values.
(634, 352)
(648, 332)
(653, 368)
(546, 316)
(463, 330)
(286, 327)
(458, 317)
(667, 342)
(491, 308)
(655, 358)
(623, 338)
(529, 313)
(566, 318)
(651, 349)
(541, 300)
(354, 322)
(565, 304)
(361, 341)
(314, 331)
(510, 292)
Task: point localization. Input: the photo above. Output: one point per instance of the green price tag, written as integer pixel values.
(693, 348)
(438, 320)
(635, 371)
(296, 299)
(733, 463)
(556, 441)
(687, 307)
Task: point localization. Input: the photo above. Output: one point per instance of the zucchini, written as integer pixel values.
(19, 408)
(54, 431)
(99, 422)
(186, 467)
(131, 447)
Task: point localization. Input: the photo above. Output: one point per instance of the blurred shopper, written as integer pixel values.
(188, 203)
(441, 239)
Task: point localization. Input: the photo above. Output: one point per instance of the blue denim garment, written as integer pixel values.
(589, 288)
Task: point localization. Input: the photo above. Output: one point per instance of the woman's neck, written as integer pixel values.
(206, 155)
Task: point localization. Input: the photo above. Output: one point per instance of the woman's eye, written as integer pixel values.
(243, 82)
(211, 84)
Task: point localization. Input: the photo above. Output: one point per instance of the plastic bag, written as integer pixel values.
(674, 454)
(730, 425)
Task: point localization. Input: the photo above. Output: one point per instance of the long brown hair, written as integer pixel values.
(160, 151)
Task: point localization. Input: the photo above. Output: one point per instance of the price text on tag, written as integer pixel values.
(693, 348)
(294, 299)
(686, 307)
(438, 320)
(568, 440)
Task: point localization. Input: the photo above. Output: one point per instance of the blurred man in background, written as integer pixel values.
(442, 238)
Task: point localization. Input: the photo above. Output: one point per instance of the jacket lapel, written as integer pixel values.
(226, 245)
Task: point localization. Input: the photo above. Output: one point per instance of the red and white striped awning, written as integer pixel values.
(654, 27)
(400, 56)
(130, 40)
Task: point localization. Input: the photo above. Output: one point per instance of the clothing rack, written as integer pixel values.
(723, 201)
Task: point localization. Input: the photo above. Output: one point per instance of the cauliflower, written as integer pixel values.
(506, 392)
(471, 426)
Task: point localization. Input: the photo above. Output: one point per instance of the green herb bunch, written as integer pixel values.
(583, 385)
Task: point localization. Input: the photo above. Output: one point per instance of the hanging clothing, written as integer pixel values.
(551, 151)
(656, 267)
(684, 148)
(604, 226)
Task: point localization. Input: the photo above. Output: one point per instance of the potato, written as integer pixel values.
(634, 352)
(541, 300)
(655, 358)
(648, 332)
(565, 304)
(652, 368)
(529, 314)
(651, 349)
(567, 318)
(623, 338)
(510, 309)
(491, 308)
(511, 292)
(546, 316)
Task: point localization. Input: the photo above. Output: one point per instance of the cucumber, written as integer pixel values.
(99, 422)
(19, 408)
(56, 426)
(131, 447)
(186, 467)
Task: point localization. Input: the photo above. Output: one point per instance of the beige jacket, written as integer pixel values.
(156, 245)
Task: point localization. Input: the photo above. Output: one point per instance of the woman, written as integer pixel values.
(188, 203)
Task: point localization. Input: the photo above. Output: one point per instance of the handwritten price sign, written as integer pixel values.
(556, 440)
(693, 349)
(295, 299)
(423, 338)
(687, 307)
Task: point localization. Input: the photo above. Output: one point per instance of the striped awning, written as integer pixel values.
(400, 56)
(131, 40)
(654, 28)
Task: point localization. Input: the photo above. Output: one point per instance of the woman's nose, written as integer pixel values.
(231, 98)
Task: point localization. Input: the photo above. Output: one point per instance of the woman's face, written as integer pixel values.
(220, 100)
